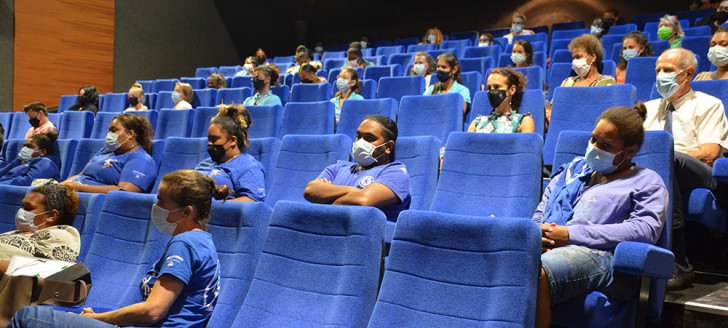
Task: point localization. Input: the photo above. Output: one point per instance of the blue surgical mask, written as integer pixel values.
(318, 49)
(600, 160)
(517, 58)
(362, 152)
(176, 97)
(667, 84)
(596, 30)
(629, 53)
(342, 84)
(25, 154)
(516, 28)
(442, 76)
(419, 68)
(431, 38)
(112, 141)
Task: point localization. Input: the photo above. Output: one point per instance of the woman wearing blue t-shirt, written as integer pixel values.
(264, 77)
(349, 88)
(228, 165)
(124, 163)
(180, 289)
(448, 73)
(33, 162)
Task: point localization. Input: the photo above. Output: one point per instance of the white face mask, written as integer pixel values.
(112, 141)
(718, 55)
(176, 97)
(483, 44)
(159, 217)
(517, 58)
(667, 83)
(419, 68)
(363, 44)
(362, 152)
(342, 84)
(24, 220)
(318, 49)
(431, 38)
(580, 66)
(353, 63)
(629, 53)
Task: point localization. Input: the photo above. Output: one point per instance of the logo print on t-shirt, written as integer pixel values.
(365, 181)
(138, 174)
(107, 163)
(214, 173)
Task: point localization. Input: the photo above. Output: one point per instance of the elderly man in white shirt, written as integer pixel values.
(698, 124)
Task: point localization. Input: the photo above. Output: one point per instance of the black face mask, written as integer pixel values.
(217, 152)
(721, 16)
(261, 60)
(258, 84)
(35, 122)
(133, 101)
(496, 97)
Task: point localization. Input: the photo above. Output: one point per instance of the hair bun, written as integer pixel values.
(641, 110)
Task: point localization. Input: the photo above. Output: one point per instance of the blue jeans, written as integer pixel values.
(577, 270)
(43, 316)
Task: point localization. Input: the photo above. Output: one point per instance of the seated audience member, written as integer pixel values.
(669, 29)
(592, 204)
(600, 27)
(125, 163)
(718, 56)
(349, 87)
(88, 99)
(44, 207)
(702, 4)
(318, 48)
(505, 88)
(716, 18)
(228, 164)
(216, 81)
(248, 67)
(136, 98)
(264, 77)
(697, 123)
(365, 41)
(634, 44)
(374, 180)
(260, 58)
(485, 39)
(424, 65)
(613, 15)
(181, 288)
(183, 96)
(518, 21)
(432, 35)
(34, 162)
(448, 75)
(38, 118)
(2, 141)
(522, 54)
(587, 64)
(356, 59)
(303, 58)
(307, 73)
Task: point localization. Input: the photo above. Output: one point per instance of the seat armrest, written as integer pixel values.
(720, 169)
(642, 259)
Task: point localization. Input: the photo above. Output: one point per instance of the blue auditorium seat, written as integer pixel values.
(537, 37)
(6, 120)
(266, 121)
(467, 35)
(557, 73)
(449, 270)
(535, 76)
(174, 123)
(204, 97)
(622, 29)
(65, 151)
(180, 153)
(310, 92)
(390, 50)
(567, 33)
(150, 115)
(20, 126)
(498, 33)
(396, 87)
(229, 70)
(11, 199)
(456, 44)
(434, 115)
(610, 68)
(377, 72)
(421, 47)
(473, 81)
(147, 85)
(699, 45)
(493, 52)
(283, 92)
(608, 42)
(479, 64)
(164, 100)
(571, 112)
(238, 230)
(86, 149)
(115, 102)
(68, 101)
(353, 113)
(641, 20)
(242, 81)
(378, 60)
(508, 163)
(150, 100)
(331, 63)
(406, 42)
(703, 30)
(205, 72)
(101, 125)
(421, 156)
(333, 74)
(335, 253)
(284, 59)
(367, 52)
(436, 53)
(536, 46)
(164, 85)
(641, 73)
(567, 26)
(654, 263)
(55, 118)
(402, 59)
(157, 151)
(533, 101)
(195, 82)
(11, 148)
(308, 118)
(229, 96)
(563, 56)
(694, 15)
(76, 125)
(559, 44)
(266, 151)
(301, 159)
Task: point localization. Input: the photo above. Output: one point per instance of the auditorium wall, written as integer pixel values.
(7, 24)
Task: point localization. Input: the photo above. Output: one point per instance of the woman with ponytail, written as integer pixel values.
(228, 164)
(33, 162)
(181, 288)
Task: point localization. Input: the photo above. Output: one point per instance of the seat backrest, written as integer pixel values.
(641, 20)
(697, 31)
(65, 151)
(195, 82)
(87, 217)
(658, 47)
(164, 100)
(437, 260)
(459, 44)
(472, 81)
(204, 97)
(238, 230)
(308, 118)
(378, 60)
(377, 72)
(533, 101)
(479, 64)
(508, 163)
(390, 50)
(150, 115)
(610, 68)
(310, 92)
(535, 76)
(455, 51)
(180, 153)
(283, 92)
(558, 44)
(622, 29)
(570, 111)
(641, 74)
(353, 113)
(174, 123)
(12, 148)
(699, 45)
(557, 73)
(333, 54)
(20, 126)
(242, 81)
(421, 157)
(267, 121)
(331, 63)
(567, 26)
(536, 37)
(395, 87)
(229, 96)
(498, 32)
(6, 120)
(76, 125)
(421, 47)
(86, 149)
(67, 101)
(202, 118)
(335, 252)
(115, 102)
(266, 150)
(301, 159)
(403, 60)
(405, 41)
(609, 40)
(229, 71)
(434, 115)
(164, 85)
(204, 72)
(562, 56)
(715, 88)
(11, 199)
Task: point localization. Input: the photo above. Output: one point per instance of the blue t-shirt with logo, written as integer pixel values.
(17, 174)
(243, 174)
(393, 175)
(107, 169)
(190, 257)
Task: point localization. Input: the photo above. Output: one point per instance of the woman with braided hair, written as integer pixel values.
(228, 164)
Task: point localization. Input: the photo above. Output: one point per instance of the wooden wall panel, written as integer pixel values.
(60, 46)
